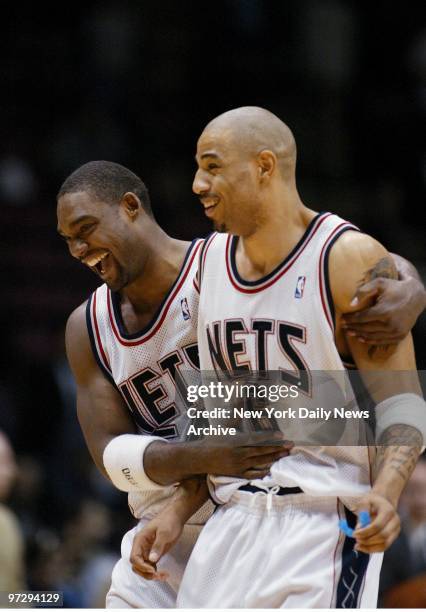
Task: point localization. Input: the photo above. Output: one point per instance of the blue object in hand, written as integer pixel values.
(364, 519)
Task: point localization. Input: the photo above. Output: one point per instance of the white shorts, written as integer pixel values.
(129, 590)
(269, 551)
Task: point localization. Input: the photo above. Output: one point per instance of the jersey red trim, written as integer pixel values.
(281, 271)
(163, 313)
(323, 261)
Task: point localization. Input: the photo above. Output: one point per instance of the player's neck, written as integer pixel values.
(161, 269)
(261, 252)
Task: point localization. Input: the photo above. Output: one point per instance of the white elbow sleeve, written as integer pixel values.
(403, 409)
(123, 461)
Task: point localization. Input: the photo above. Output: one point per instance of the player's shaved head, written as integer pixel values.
(253, 129)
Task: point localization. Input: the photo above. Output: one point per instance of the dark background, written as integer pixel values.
(135, 83)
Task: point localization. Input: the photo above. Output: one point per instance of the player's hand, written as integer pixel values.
(152, 542)
(387, 310)
(384, 527)
(244, 455)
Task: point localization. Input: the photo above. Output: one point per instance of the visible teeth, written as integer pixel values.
(92, 261)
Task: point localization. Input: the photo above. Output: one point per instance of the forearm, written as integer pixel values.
(400, 446)
(189, 498)
(170, 463)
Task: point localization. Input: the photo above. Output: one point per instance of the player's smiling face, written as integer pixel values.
(99, 235)
(226, 183)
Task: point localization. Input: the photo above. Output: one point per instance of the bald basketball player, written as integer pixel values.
(131, 346)
(278, 267)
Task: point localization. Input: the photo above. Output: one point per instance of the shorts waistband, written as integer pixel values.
(276, 490)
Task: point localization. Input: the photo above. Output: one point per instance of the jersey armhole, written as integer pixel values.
(95, 339)
(202, 260)
(324, 273)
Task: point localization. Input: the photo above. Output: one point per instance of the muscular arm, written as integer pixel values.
(100, 409)
(387, 371)
(103, 417)
(387, 307)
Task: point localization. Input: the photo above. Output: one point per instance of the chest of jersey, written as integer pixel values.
(282, 322)
(151, 368)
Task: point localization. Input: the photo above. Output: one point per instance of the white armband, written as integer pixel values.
(123, 461)
(403, 409)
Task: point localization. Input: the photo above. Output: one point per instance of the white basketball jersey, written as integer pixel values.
(151, 368)
(283, 322)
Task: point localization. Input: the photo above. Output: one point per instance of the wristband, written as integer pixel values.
(404, 409)
(123, 461)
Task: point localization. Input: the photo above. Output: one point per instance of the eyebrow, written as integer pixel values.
(205, 155)
(208, 154)
(76, 222)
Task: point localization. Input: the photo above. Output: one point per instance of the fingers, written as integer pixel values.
(143, 542)
(381, 532)
(378, 339)
(262, 468)
(377, 531)
(359, 327)
(387, 337)
(259, 438)
(148, 547)
(381, 540)
(375, 314)
(160, 545)
(253, 473)
(366, 293)
(263, 451)
(263, 461)
(374, 331)
(149, 572)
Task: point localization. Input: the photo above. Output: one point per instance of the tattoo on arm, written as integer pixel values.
(384, 268)
(399, 451)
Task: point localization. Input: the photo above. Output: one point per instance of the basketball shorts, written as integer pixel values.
(269, 550)
(129, 590)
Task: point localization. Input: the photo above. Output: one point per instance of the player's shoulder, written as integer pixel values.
(356, 258)
(78, 346)
(77, 319)
(76, 334)
(354, 247)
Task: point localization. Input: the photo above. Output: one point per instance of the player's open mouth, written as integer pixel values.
(98, 263)
(208, 210)
(209, 203)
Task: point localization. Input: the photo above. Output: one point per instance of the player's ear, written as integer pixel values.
(267, 162)
(131, 205)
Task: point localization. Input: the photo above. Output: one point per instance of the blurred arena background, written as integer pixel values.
(135, 82)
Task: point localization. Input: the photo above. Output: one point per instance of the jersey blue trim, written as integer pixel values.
(327, 272)
(260, 281)
(103, 369)
(115, 299)
(200, 258)
(354, 567)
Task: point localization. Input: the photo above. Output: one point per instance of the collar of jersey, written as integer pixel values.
(151, 328)
(262, 283)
